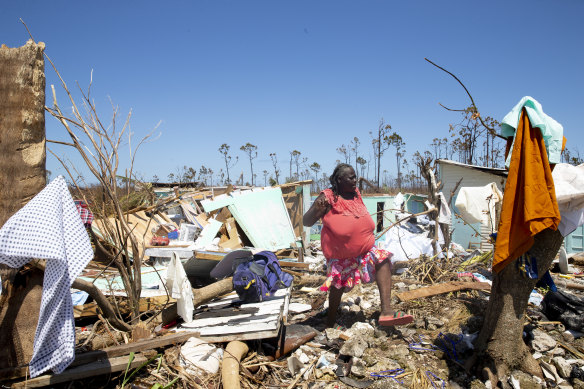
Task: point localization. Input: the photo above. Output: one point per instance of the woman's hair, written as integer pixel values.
(335, 176)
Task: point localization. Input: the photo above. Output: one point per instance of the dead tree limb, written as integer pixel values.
(99, 298)
(474, 106)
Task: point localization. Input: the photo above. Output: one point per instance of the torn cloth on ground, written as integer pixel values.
(551, 131)
(529, 202)
(476, 204)
(179, 288)
(49, 227)
(569, 183)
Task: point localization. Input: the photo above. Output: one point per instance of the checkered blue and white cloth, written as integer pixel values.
(49, 227)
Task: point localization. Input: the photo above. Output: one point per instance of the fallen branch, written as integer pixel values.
(403, 219)
(99, 298)
(448, 287)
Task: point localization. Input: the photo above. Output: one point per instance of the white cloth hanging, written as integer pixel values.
(445, 215)
(569, 184)
(49, 227)
(180, 288)
(476, 204)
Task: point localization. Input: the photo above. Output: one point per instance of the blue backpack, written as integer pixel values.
(259, 277)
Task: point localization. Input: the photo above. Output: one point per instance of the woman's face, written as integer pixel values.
(347, 180)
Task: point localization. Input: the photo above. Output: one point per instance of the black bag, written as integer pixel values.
(564, 307)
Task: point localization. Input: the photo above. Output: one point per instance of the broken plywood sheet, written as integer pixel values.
(261, 214)
(234, 241)
(226, 320)
(140, 223)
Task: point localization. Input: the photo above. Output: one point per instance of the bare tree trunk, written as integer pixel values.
(500, 347)
(22, 126)
(428, 173)
(22, 176)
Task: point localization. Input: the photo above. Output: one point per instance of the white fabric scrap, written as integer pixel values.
(49, 227)
(476, 204)
(180, 288)
(198, 354)
(445, 216)
(569, 184)
(406, 245)
(398, 201)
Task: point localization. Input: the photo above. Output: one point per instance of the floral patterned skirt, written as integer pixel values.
(346, 273)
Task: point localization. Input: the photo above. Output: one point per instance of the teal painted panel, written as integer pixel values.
(464, 234)
(575, 241)
(415, 203)
(262, 214)
(371, 205)
(209, 233)
(218, 202)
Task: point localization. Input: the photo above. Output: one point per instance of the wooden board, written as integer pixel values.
(106, 366)
(224, 320)
(441, 289)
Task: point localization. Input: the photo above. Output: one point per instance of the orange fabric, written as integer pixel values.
(529, 201)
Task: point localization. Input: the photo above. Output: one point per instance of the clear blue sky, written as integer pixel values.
(305, 75)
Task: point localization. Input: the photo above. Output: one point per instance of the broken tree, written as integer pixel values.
(528, 226)
(22, 176)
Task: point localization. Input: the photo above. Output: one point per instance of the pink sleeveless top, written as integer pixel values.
(347, 229)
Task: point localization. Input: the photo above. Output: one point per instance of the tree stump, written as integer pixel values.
(500, 347)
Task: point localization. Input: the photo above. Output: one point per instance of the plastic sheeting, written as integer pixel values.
(476, 204)
(179, 288)
(569, 184)
(406, 245)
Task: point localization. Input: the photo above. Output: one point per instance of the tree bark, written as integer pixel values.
(22, 176)
(500, 346)
(22, 126)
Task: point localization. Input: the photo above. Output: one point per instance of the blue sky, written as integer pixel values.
(304, 75)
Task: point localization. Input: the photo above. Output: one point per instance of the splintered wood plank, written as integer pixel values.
(105, 366)
(447, 287)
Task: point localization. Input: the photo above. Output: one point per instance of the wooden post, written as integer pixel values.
(22, 176)
(22, 126)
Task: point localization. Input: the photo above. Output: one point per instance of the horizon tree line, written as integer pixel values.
(468, 141)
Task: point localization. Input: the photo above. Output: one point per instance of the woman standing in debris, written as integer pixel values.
(348, 245)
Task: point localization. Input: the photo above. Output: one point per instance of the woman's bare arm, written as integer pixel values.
(318, 209)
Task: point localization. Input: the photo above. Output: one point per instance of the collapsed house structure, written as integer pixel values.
(183, 236)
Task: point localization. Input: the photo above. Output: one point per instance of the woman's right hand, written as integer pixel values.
(321, 205)
(318, 209)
